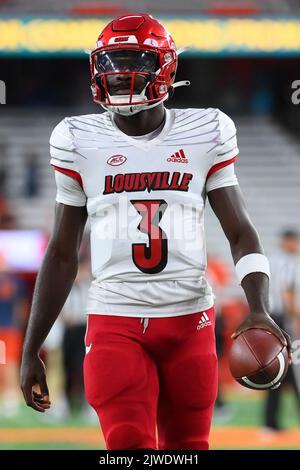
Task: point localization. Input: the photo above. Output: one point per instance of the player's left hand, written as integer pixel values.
(265, 322)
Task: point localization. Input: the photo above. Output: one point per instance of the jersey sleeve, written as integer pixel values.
(67, 172)
(69, 190)
(224, 177)
(226, 150)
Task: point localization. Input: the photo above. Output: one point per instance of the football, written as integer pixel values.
(258, 360)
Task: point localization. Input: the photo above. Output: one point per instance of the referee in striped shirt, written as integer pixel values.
(284, 271)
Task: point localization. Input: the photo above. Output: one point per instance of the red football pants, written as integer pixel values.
(160, 377)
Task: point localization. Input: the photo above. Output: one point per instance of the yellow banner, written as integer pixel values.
(229, 36)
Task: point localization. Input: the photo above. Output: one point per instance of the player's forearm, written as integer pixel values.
(256, 284)
(256, 288)
(53, 285)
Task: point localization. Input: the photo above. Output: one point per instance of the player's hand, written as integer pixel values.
(34, 384)
(265, 322)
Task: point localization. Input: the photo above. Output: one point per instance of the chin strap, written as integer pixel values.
(181, 83)
(182, 49)
(129, 110)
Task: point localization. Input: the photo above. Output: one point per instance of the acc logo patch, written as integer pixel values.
(116, 160)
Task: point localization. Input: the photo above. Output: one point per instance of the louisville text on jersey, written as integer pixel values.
(154, 181)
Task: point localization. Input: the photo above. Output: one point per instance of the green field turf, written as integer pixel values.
(44, 446)
(246, 410)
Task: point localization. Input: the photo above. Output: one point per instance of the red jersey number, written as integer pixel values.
(151, 258)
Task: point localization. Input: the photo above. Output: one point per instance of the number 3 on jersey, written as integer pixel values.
(151, 258)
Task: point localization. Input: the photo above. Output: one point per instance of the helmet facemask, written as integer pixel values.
(127, 81)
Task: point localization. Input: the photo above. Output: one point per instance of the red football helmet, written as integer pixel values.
(133, 65)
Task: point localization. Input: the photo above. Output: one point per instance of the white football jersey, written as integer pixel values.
(145, 198)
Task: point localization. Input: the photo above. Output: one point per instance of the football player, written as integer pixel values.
(142, 175)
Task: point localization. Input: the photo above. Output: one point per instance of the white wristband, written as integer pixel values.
(253, 263)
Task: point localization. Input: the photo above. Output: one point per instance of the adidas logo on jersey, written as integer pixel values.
(203, 322)
(178, 157)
